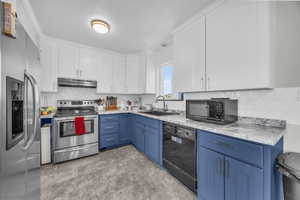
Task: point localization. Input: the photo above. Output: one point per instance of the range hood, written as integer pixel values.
(68, 82)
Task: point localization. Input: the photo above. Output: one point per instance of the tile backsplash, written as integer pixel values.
(278, 103)
(67, 93)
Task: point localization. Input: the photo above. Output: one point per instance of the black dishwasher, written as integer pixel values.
(180, 154)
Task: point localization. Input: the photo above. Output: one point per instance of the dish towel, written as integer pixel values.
(79, 126)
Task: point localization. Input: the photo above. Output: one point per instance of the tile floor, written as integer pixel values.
(119, 174)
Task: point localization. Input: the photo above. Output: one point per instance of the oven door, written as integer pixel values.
(65, 135)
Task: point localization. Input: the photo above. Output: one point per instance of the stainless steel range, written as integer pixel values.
(67, 144)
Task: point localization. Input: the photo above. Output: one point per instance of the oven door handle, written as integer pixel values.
(28, 140)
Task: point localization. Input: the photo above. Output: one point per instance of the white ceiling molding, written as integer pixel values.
(199, 15)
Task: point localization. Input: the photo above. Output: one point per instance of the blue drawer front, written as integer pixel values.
(242, 150)
(109, 140)
(107, 128)
(109, 118)
(148, 121)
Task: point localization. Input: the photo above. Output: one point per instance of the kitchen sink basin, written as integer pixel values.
(159, 113)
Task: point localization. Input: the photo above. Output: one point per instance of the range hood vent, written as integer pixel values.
(68, 82)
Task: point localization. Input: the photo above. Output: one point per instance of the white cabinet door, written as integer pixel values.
(150, 75)
(48, 81)
(104, 73)
(189, 56)
(88, 64)
(119, 74)
(133, 73)
(68, 61)
(236, 41)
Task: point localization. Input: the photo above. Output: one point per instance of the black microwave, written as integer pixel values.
(219, 111)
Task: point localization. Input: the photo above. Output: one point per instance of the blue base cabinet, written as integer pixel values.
(233, 169)
(211, 171)
(121, 129)
(152, 144)
(114, 130)
(147, 134)
(125, 129)
(109, 127)
(242, 181)
(139, 135)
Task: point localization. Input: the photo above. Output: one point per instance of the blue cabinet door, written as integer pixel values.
(210, 175)
(242, 181)
(152, 144)
(124, 134)
(139, 133)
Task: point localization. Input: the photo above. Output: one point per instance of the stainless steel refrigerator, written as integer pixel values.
(20, 120)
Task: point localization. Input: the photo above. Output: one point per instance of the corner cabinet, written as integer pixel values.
(232, 169)
(132, 71)
(119, 74)
(122, 129)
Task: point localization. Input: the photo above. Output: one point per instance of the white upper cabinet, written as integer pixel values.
(88, 64)
(68, 61)
(104, 73)
(136, 73)
(115, 73)
(132, 71)
(49, 62)
(150, 74)
(119, 74)
(238, 45)
(237, 35)
(189, 57)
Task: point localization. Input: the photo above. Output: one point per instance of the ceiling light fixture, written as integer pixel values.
(100, 26)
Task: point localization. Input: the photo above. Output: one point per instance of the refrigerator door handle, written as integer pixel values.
(36, 104)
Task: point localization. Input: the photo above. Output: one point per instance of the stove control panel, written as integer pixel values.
(75, 103)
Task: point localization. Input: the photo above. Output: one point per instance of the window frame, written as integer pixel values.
(161, 83)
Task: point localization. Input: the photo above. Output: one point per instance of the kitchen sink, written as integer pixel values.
(159, 113)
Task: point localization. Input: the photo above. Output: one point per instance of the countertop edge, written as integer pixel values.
(272, 141)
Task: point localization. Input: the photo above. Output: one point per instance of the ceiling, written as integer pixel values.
(136, 24)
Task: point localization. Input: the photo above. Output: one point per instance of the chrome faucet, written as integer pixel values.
(164, 100)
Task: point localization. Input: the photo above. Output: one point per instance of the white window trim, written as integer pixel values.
(160, 75)
(160, 83)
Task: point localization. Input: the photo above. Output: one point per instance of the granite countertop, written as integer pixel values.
(245, 129)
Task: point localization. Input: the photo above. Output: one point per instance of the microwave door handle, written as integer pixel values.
(35, 94)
